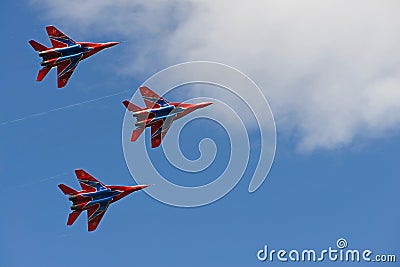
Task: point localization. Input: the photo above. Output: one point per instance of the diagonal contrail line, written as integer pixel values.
(61, 108)
(44, 179)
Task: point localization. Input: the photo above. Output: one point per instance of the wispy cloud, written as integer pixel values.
(330, 69)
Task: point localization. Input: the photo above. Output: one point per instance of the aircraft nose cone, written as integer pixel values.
(109, 44)
(204, 104)
(138, 187)
(143, 186)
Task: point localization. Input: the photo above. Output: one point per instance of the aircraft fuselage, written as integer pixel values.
(55, 56)
(155, 114)
(83, 201)
(148, 117)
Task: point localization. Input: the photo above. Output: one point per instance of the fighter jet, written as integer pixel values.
(95, 197)
(158, 114)
(65, 54)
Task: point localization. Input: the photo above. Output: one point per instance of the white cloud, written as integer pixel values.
(330, 69)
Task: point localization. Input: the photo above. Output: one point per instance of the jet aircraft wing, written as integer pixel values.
(95, 213)
(159, 130)
(65, 70)
(57, 38)
(88, 182)
(151, 99)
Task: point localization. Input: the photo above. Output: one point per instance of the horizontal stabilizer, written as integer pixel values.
(38, 47)
(136, 133)
(73, 216)
(67, 190)
(131, 107)
(42, 73)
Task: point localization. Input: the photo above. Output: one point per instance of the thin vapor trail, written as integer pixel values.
(44, 179)
(61, 108)
(8, 188)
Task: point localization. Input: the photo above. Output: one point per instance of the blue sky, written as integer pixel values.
(323, 185)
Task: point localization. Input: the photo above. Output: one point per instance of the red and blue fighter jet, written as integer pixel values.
(65, 54)
(158, 114)
(95, 197)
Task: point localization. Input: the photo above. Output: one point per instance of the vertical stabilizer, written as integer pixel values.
(67, 190)
(73, 216)
(42, 73)
(37, 46)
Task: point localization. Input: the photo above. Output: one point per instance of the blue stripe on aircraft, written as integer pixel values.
(72, 64)
(63, 40)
